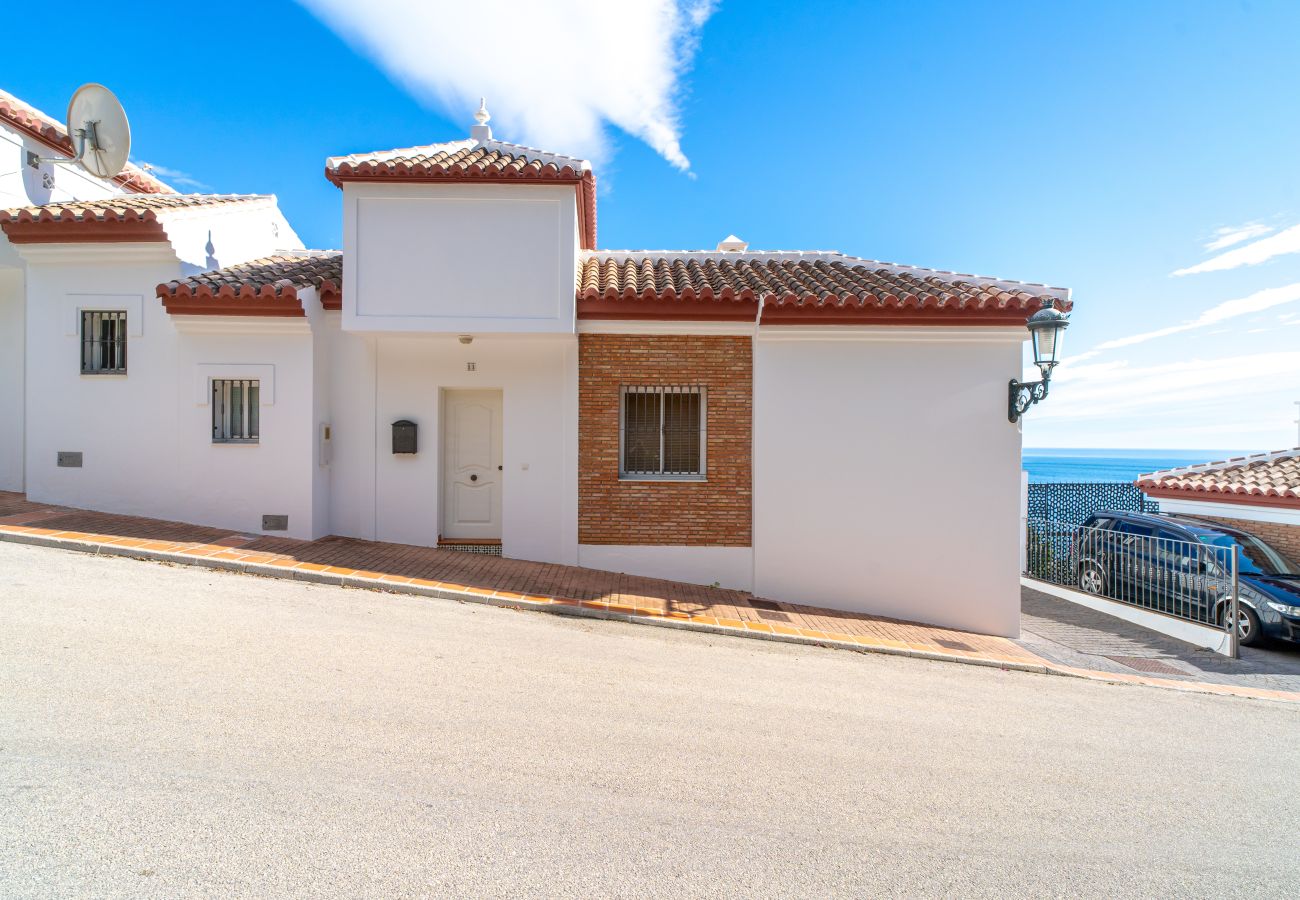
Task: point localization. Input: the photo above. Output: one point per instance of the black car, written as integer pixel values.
(1182, 565)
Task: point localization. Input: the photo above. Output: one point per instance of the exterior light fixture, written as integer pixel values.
(466, 338)
(1047, 330)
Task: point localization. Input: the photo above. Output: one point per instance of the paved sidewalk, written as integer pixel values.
(547, 587)
(1071, 635)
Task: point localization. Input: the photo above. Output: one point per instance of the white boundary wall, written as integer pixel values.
(1190, 632)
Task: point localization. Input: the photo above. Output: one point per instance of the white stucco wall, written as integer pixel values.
(886, 474)
(1248, 511)
(23, 185)
(146, 436)
(11, 379)
(380, 379)
(234, 485)
(124, 425)
(459, 258)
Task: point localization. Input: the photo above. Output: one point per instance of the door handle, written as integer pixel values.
(473, 478)
(498, 468)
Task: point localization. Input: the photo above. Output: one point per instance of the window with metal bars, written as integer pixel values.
(103, 342)
(235, 411)
(662, 431)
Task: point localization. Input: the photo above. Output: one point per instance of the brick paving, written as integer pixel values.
(574, 590)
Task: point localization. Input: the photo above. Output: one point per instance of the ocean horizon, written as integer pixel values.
(1103, 464)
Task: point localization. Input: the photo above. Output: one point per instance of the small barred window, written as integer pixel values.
(103, 342)
(662, 431)
(235, 411)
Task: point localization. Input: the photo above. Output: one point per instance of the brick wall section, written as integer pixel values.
(715, 512)
(1284, 537)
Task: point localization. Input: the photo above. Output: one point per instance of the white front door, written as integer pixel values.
(471, 465)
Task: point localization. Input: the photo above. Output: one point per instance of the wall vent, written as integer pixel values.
(275, 523)
(69, 459)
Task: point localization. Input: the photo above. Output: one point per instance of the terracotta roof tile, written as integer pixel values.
(797, 287)
(264, 287)
(136, 215)
(459, 159)
(474, 160)
(1260, 478)
(49, 131)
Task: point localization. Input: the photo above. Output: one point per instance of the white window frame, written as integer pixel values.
(662, 390)
(224, 430)
(93, 346)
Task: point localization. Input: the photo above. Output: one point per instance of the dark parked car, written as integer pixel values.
(1182, 565)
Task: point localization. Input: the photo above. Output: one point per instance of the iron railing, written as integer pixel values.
(1187, 580)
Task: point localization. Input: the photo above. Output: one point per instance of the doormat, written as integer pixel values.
(484, 549)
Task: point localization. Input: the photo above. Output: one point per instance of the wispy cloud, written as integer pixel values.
(1283, 243)
(175, 176)
(1108, 390)
(1229, 309)
(1235, 234)
(553, 73)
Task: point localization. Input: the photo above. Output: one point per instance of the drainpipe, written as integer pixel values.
(753, 457)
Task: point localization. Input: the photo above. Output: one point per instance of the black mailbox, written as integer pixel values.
(405, 436)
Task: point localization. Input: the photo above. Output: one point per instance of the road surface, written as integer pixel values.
(173, 731)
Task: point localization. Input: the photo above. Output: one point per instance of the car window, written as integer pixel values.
(1175, 549)
(1257, 557)
(1134, 528)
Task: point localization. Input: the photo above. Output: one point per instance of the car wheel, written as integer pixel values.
(1092, 580)
(1248, 630)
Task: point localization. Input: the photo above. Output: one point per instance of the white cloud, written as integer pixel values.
(553, 73)
(1182, 389)
(1229, 309)
(1284, 242)
(176, 177)
(1235, 234)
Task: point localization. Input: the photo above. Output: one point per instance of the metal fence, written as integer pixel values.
(1074, 501)
(1185, 579)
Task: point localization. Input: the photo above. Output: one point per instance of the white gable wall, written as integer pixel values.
(886, 474)
(459, 258)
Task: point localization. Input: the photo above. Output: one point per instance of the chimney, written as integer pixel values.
(733, 243)
(482, 132)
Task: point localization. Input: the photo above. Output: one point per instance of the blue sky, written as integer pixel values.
(1100, 146)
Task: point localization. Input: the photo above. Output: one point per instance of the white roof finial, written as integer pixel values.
(482, 131)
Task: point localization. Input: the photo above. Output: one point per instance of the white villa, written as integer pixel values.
(472, 371)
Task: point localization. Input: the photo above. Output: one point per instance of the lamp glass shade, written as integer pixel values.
(1047, 328)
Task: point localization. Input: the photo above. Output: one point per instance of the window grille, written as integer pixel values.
(235, 411)
(103, 342)
(662, 431)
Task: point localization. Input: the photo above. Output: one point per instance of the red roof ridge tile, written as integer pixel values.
(45, 128)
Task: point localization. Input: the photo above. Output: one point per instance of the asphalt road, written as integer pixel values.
(181, 732)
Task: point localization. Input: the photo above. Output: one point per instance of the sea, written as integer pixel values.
(1111, 465)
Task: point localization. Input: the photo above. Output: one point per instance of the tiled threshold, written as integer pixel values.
(736, 618)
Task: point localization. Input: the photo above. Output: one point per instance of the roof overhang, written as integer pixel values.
(1278, 501)
(47, 228)
(584, 185)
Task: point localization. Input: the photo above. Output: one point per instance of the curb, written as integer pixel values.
(592, 610)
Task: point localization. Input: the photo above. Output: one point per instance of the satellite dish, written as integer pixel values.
(99, 130)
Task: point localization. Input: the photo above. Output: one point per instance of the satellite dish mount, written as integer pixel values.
(99, 132)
